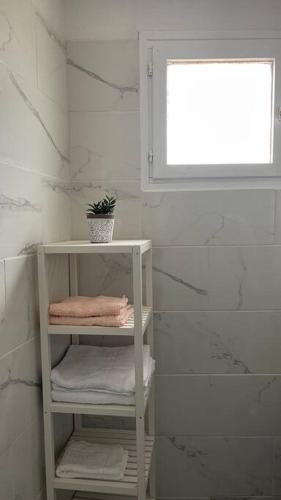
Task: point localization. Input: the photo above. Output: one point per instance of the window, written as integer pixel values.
(209, 112)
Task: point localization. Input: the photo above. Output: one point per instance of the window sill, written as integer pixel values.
(208, 184)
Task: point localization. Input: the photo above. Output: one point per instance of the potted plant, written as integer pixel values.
(100, 217)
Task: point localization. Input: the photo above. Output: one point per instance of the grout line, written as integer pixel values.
(19, 346)
(180, 311)
(219, 375)
(106, 111)
(8, 163)
(216, 436)
(239, 245)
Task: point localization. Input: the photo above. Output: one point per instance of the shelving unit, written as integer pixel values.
(138, 481)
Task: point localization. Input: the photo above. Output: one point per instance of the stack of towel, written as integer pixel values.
(99, 375)
(91, 311)
(84, 459)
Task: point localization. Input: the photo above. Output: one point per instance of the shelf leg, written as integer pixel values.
(73, 290)
(150, 341)
(139, 389)
(49, 455)
(46, 374)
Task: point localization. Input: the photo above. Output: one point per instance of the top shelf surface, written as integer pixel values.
(116, 246)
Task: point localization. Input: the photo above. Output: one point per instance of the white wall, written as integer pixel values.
(34, 207)
(121, 19)
(217, 279)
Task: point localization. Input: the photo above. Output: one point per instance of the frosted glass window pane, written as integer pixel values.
(219, 112)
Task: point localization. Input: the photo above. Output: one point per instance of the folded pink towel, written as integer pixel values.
(117, 320)
(82, 307)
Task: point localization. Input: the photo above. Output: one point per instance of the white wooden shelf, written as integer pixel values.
(78, 247)
(126, 330)
(139, 328)
(128, 485)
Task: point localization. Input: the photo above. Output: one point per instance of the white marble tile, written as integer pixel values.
(113, 20)
(103, 76)
(20, 391)
(56, 210)
(217, 342)
(32, 210)
(209, 218)
(33, 132)
(181, 278)
(17, 38)
(22, 466)
(217, 278)
(276, 487)
(225, 405)
(20, 210)
(52, 14)
(221, 466)
(254, 272)
(105, 275)
(127, 212)
(51, 62)
(278, 216)
(20, 315)
(104, 146)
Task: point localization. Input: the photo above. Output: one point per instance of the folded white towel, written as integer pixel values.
(100, 368)
(94, 397)
(83, 459)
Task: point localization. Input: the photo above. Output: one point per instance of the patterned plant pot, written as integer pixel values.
(100, 228)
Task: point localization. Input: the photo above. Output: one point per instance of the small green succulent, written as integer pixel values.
(102, 207)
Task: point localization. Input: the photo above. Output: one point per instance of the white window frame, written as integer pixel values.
(155, 48)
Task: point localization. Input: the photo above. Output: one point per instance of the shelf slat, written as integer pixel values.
(128, 485)
(126, 330)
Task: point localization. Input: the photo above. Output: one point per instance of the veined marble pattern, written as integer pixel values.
(32, 121)
(214, 467)
(19, 319)
(52, 14)
(110, 275)
(277, 467)
(246, 278)
(17, 38)
(212, 405)
(104, 146)
(217, 342)
(29, 208)
(209, 218)
(51, 61)
(20, 391)
(33, 152)
(103, 76)
(25, 459)
(216, 290)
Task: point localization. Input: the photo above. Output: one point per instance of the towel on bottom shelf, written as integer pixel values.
(112, 369)
(84, 459)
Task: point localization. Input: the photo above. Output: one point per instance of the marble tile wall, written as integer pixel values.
(34, 207)
(217, 291)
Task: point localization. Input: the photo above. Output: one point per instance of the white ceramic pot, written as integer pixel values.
(100, 228)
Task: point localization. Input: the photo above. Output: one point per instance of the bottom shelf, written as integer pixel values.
(79, 495)
(92, 496)
(128, 485)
